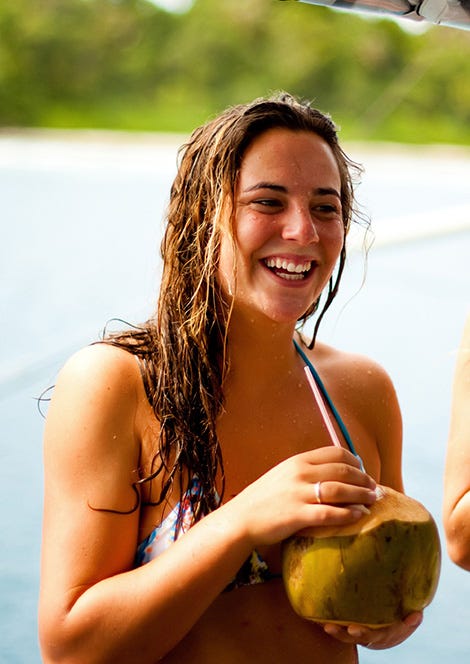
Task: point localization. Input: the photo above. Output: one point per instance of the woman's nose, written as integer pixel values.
(299, 225)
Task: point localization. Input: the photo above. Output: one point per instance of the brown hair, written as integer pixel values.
(182, 349)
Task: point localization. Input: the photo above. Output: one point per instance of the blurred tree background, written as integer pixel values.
(128, 64)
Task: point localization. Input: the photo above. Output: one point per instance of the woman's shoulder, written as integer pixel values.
(101, 356)
(101, 369)
(95, 407)
(92, 434)
(348, 363)
(359, 377)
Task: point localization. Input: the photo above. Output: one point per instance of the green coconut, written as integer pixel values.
(374, 572)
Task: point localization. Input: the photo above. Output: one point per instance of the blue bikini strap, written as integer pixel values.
(328, 400)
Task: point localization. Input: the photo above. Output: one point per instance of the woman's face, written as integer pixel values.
(287, 225)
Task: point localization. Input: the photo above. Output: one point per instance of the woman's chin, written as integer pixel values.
(283, 315)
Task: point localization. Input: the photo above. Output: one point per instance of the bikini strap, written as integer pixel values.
(327, 398)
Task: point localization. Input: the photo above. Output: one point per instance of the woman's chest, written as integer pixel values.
(255, 436)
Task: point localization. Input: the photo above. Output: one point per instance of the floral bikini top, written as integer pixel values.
(254, 570)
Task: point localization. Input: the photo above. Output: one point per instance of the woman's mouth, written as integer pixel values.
(289, 269)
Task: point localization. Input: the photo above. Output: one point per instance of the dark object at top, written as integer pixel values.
(455, 13)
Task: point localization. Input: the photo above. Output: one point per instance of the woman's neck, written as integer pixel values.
(260, 352)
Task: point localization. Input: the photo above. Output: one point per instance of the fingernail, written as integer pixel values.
(356, 633)
(330, 629)
(362, 509)
(356, 513)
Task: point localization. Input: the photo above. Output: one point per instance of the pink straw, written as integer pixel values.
(322, 407)
(325, 414)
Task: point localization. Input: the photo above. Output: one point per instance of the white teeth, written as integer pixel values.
(292, 268)
(291, 277)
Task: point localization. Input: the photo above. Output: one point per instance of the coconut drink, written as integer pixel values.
(373, 572)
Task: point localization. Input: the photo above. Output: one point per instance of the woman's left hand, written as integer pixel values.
(376, 639)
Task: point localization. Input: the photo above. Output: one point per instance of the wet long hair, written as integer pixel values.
(182, 348)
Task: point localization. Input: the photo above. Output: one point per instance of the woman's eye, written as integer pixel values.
(267, 202)
(327, 209)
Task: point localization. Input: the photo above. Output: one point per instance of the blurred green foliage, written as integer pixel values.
(126, 64)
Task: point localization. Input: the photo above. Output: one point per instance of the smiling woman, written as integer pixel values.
(181, 454)
(288, 225)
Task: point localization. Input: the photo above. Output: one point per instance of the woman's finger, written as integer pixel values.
(337, 493)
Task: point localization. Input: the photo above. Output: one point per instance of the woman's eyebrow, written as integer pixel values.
(266, 185)
(327, 191)
(319, 191)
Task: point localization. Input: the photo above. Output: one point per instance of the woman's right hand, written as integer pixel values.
(284, 500)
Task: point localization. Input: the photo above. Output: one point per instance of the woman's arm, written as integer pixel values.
(456, 509)
(94, 607)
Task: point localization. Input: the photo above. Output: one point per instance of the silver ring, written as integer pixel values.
(317, 489)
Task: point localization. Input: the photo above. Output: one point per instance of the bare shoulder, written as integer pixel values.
(93, 410)
(101, 366)
(353, 371)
